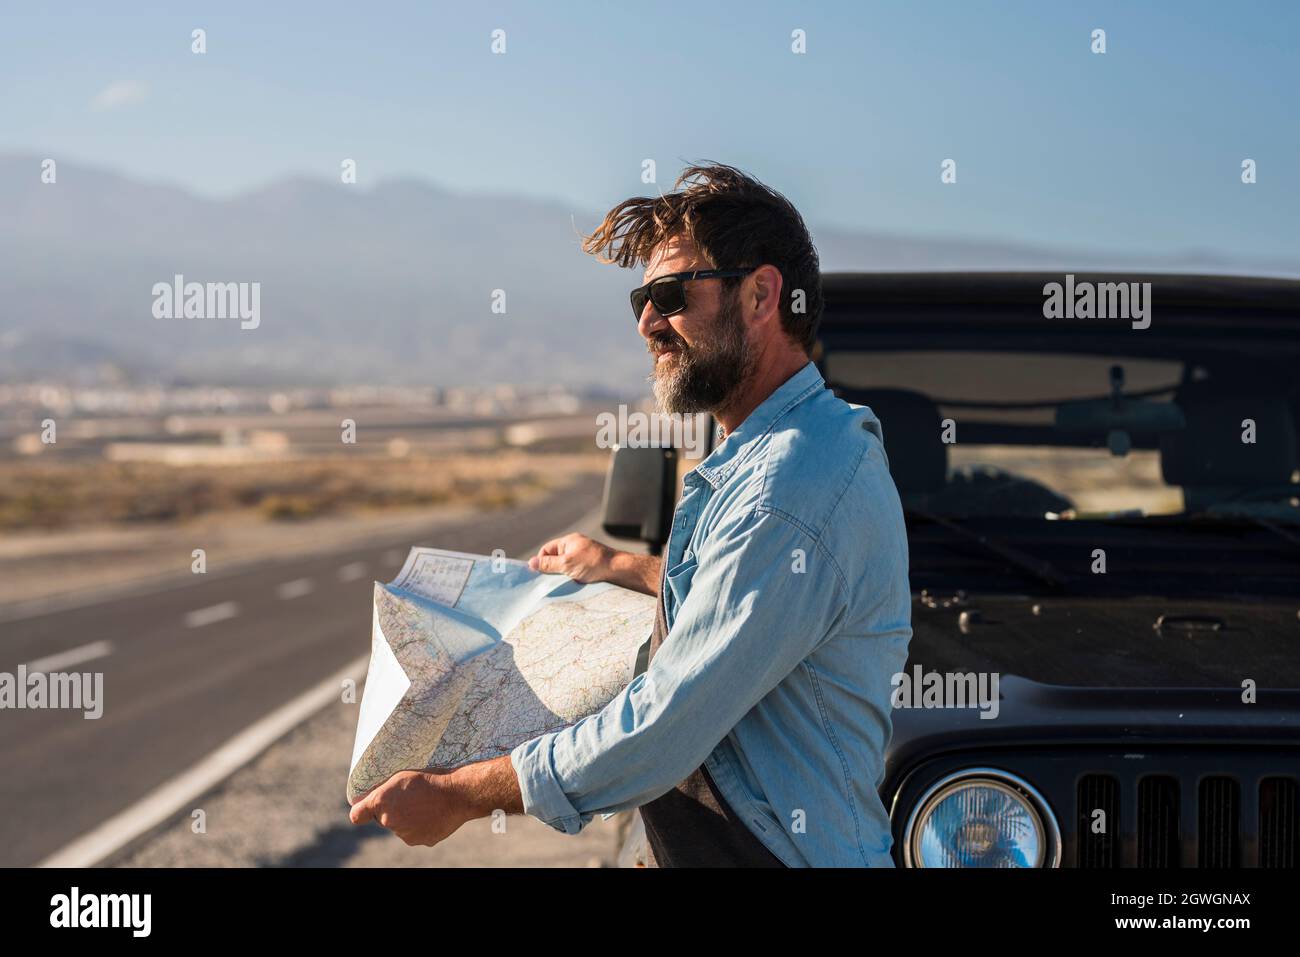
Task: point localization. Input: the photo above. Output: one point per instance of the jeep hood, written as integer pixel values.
(1104, 643)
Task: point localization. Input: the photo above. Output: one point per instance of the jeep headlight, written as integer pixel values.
(981, 818)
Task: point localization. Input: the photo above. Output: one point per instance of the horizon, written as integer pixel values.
(314, 179)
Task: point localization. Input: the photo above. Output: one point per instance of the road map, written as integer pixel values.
(472, 655)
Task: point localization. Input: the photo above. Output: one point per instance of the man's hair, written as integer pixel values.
(734, 221)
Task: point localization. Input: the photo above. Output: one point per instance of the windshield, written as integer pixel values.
(1028, 457)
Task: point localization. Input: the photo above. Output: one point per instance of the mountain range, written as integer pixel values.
(393, 283)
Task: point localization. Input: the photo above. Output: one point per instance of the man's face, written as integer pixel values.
(702, 355)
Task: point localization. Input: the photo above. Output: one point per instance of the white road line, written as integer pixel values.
(179, 793)
(352, 571)
(211, 614)
(74, 656)
(295, 589)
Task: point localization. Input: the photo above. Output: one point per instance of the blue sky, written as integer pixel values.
(1138, 149)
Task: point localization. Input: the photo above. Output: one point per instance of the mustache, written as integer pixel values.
(661, 341)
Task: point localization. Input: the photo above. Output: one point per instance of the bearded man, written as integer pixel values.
(756, 735)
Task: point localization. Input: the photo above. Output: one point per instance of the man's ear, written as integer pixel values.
(765, 294)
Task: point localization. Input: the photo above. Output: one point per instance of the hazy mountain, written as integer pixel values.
(392, 282)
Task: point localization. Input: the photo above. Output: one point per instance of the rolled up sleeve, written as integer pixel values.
(763, 596)
(543, 795)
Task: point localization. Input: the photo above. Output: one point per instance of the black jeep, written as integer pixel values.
(1104, 523)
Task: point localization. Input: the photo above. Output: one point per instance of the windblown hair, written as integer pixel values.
(733, 220)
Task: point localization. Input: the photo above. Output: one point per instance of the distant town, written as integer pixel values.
(211, 425)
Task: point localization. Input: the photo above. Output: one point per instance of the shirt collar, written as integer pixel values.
(740, 444)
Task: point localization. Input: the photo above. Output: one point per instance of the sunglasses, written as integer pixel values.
(668, 293)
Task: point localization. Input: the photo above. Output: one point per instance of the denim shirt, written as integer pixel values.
(788, 606)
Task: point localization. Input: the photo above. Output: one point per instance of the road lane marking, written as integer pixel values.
(295, 589)
(74, 656)
(182, 791)
(352, 571)
(146, 586)
(211, 614)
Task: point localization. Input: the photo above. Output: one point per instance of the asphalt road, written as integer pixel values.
(187, 668)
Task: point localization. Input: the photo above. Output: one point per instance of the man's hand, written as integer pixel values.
(417, 806)
(585, 560)
(581, 558)
(426, 807)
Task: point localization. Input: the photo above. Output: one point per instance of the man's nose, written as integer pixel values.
(650, 322)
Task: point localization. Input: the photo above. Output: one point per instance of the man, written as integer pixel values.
(755, 737)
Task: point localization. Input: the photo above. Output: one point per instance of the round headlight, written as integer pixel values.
(981, 818)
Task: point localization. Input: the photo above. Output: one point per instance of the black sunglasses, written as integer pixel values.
(668, 293)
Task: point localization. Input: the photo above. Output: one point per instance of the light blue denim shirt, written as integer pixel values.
(787, 601)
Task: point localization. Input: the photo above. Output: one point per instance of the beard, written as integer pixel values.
(704, 377)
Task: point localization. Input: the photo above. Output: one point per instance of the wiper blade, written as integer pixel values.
(1237, 517)
(1276, 529)
(1032, 565)
(1246, 517)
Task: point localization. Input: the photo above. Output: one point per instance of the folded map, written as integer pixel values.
(472, 655)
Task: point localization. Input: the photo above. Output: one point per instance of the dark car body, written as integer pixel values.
(1124, 693)
(1160, 696)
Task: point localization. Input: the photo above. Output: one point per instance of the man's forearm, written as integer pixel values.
(637, 572)
(489, 786)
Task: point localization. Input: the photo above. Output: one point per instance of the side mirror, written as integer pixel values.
(640, 491)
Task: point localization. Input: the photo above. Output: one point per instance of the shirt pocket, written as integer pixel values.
(679, 579)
